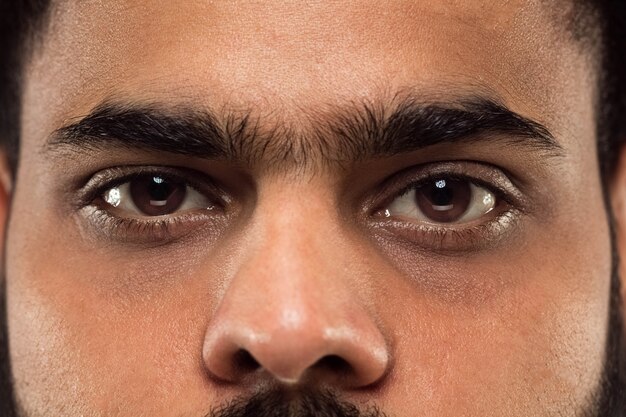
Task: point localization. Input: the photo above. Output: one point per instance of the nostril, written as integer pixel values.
(334, 364)
(245, 362)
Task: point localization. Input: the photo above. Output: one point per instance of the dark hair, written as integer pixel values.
(20, 19)
(611, 124)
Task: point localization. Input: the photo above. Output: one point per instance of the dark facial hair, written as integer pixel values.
(7, 405)
(283, 403)
(610, 400)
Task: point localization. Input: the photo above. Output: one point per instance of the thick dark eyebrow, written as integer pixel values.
(354, 132)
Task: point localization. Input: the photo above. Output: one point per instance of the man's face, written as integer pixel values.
(396, 202)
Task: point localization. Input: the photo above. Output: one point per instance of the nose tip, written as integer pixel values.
(350, 355)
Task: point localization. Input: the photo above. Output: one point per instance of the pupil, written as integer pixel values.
(159, 189)
(442, 194)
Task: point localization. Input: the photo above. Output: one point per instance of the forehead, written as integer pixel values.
(288, 56)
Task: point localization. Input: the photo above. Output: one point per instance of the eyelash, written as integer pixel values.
(166, 229)
(452, 238)
(158, 229)
(499, 193)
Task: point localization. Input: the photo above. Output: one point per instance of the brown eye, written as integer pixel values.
(155, 195)
(443, 200)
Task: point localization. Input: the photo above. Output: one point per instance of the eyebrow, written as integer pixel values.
(354, 132)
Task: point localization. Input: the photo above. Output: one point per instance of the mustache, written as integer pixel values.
(279, 403)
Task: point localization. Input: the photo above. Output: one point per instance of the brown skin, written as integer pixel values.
(299, 269)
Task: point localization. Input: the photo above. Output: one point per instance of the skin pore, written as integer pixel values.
(296, 276)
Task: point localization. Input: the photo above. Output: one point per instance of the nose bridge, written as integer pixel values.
(298, 255)
(294, 248)
(290, 306)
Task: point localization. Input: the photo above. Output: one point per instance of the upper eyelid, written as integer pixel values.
(106, 179)
(500, 194)
(477, 181)
(494, 178)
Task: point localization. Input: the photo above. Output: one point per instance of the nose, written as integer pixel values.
(294, 312)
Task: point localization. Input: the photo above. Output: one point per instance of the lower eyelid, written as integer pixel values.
(102, 224)
(453, 238)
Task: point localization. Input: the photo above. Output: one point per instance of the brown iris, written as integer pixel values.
(157, 196)
(444, 200)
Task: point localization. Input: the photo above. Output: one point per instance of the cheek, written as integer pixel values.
(99, 328)
(539, 344)
(43, 362)
(42, 359)
(525, 324)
